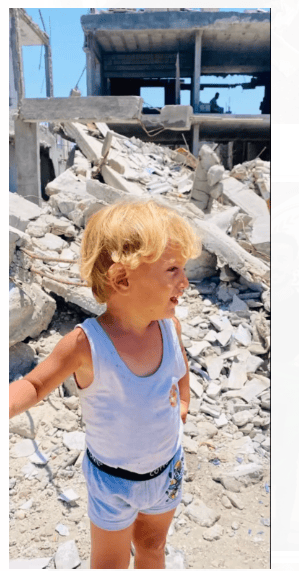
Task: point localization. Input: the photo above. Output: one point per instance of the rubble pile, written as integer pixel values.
(225, 317)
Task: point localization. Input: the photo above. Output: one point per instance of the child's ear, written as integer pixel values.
(118, 278)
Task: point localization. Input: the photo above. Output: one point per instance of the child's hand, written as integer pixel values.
(184, 411)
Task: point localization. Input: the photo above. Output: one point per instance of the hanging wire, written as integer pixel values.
(76, 86)
(43, 23)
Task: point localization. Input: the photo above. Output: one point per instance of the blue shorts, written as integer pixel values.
(114, 503)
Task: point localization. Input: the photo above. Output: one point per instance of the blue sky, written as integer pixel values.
(68, 60)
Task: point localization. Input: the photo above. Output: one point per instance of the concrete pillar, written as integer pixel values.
(177, 81)
(49, 71)
(28, 160)
(197, 71)
(16, 50)
(195, 140)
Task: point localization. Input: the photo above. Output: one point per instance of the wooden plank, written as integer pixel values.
(106, 109)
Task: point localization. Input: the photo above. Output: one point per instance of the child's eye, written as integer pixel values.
(172, 269)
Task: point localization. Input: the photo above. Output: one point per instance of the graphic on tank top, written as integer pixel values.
(173, 395)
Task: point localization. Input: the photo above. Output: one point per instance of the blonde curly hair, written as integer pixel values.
(131, 232)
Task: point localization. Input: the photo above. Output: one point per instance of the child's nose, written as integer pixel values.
(184, 280)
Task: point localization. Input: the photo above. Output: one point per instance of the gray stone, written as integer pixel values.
(104, 191)
(221, 421)
(235, 500)
(242, 417)
(223, 337)
(213, 533)
(207, 409)
(25, 447)
(225, 502)
(195, 385)
(251, 472)
(74, 440)
(215, 174)
(214, 365)
(187, 498)
(62, 529)
(228, 482)
(266, 444)
(21, 362)
(243, 335)
(213, 390)
(190, 429)
(190, 445)
(50, 242)
(198, 347)
(201, 514)
(175, 559)
(238, 304)
(237, 376)
(29, 313)
(69, 496)
(21, 211)
(26, 424)
(67, 556)
(206, 430)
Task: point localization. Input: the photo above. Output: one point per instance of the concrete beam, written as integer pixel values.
(107, 109)
(28, 160)
(197, 71)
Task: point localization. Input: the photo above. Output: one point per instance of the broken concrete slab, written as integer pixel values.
(114, 179)
(229, 252)
(224, 219)
(108, 109)
(104, 192)
(240, 195)
(176, 117)
(30, 312)
(17, 238)
(81, 296)
(91, 147)
(21, 211)
(67, 181)
(21, 360)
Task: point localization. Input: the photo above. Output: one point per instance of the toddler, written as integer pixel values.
(132, 377)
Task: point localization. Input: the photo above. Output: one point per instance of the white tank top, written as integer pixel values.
(132, 422)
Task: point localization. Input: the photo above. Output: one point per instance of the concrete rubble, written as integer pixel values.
(225, 317)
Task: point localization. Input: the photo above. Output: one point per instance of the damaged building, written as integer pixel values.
(225, 312)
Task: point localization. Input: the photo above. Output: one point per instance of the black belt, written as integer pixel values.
(120, 473)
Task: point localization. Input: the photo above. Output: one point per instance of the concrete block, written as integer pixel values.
(104, 191)
(21, 360)
(81, 296)
(67, 181)
(176, 117)
(215, 174)
(91, 147)
(229, 251)
(202, 267)
(17, 238)
(208, 157)
(260, 235)
(114, 179)
(225, 218)
(29, 313)
(21, 211)
(242, 196)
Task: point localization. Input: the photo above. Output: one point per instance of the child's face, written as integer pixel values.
(156, 287)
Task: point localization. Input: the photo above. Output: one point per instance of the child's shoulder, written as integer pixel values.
(176, 324)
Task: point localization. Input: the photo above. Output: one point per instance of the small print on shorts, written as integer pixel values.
(176, 480)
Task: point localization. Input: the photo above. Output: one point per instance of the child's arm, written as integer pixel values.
(184, 386)
(68, 356)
